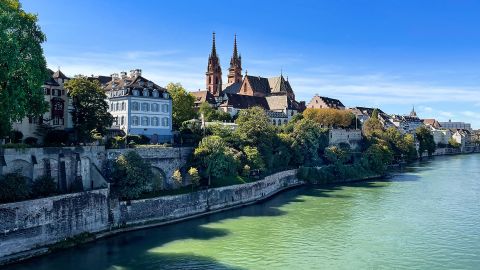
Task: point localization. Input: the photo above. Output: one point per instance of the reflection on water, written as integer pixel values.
(425, 218)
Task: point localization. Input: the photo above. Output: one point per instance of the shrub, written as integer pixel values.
(194, 176)
(177, 178)
(138, 139)
(16, 136)
(130, 176)
(44, 186)
(115, 142)
(30, 141)
(13, 187)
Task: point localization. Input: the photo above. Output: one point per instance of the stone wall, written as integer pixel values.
(30, 224)
(173, 207)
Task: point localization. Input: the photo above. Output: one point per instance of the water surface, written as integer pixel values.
(425, 218)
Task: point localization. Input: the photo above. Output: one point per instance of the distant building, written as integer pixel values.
(57, 115)
(364, 113)
(318, 102)
(203, 96)
(432, 122)
(347, 136)
(463, 137)
(139, 106)
(407, 123)
(456, 125)
(441, 136)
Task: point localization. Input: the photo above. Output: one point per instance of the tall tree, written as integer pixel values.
(22, 65)
(373, 127)
(425, 140)
(183, 104)
(131, 176)
(90, 110)
(309, 140)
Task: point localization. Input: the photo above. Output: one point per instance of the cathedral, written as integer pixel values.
(274, 94)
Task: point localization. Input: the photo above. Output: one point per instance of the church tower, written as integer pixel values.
(235, 70)
(214, 72)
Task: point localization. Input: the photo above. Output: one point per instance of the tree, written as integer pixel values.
(402, 146)
(373, 127)
(13, 187)
(376, 158)
(210, 114)
(425, 140)
(216, 158)
(330, 117)
(254, 158)
(22, 65)
(90, 110)
(177, 178)
(194, 176)
(131, 176)
(182, 103)
(309, 140)
(336, 155)
(453, 143)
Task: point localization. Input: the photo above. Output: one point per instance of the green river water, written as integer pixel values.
(425, 218)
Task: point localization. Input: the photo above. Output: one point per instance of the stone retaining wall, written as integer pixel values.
(35, 223)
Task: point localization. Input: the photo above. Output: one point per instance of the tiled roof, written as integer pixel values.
(203, 96)
(281, 102)
(232, 88)
(129, 84)
(103, 80)
(259, 84)
(279, 84)
(59, 74)
(330, 102)
(244, 101)
(431, 122)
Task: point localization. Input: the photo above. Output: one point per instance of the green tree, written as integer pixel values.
(254, 158)
(131, 176)
(216, 158)
(182, 103)
(308, 141)
(90, 110)
(13, 187)
(373, 127)
(336, 155)
(22, 65)
(425, 140)
(210, 114)
(402, 146)
(194, 176)
(376, 158)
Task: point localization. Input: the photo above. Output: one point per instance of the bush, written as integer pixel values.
(44, 186)
(138, 139)
(131, 176)
(30, 141)
(56, 138)
(16, 136)
(115, 143)
(13, 187)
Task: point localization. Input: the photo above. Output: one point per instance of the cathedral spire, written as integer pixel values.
(214, 49)
(214, 71)
(235, 70)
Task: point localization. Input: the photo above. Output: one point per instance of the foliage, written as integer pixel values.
(115, 142)
(253, 157)
(190, 133)
(90, 109)
(30, 141)
(182, 104)
(288, 128)
(373, 127)
(177, 177)
(402, 146)
(44, 186)
(210, 114)
(308, 142)
(16, 136)
(13, 187)
(216, 158)
(246, 170)
(282, 151)
(453, 143)
(376, 158)
(22, 65)
(426, 141)
(330, 117)
(138, 139)
(254, 127)
(130, 176)
(194, 176)
(336, 155)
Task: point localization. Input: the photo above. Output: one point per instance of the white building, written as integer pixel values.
(139, 106)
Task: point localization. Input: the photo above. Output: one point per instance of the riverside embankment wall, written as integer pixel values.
(28, 227)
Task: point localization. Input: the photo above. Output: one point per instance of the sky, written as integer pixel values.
(390, 54)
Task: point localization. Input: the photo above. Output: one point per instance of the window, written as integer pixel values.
(165, 122)
(135, 106)
(117, 106)
(135, 121)
(145, 107)
(155, 121)
(164, 108)
(122, 120)
(123, 105)
(155, 93)
(145, 92)
(115, 120)
(144, 121)
(273, 122)
(155, 107)
(46, 91)
(165, 95)
(136, 92)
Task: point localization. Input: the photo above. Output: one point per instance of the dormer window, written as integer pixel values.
(155, 93)
(145, 92)
(136, 92)
(165, 95)
(140, 83)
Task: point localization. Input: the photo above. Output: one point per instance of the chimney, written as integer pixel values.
(114, 76)
(123, 74)
(135, 72)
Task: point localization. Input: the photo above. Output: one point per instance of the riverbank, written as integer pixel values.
(128, 216)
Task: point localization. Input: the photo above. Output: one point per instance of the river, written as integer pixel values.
(425, 218)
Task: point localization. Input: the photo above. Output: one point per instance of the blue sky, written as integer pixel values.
(385, 53)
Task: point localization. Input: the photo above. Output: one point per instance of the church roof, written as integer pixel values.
(279, 84)
(259, 84)
(244, 102)
(233, 88)
(281, 102)
(203, 96)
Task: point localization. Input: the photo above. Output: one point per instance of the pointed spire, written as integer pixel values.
(235, 52)
(214, 49)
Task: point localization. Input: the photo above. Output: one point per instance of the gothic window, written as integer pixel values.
(144, 121)
(145, 107)
(135, 106)
(135, 121)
